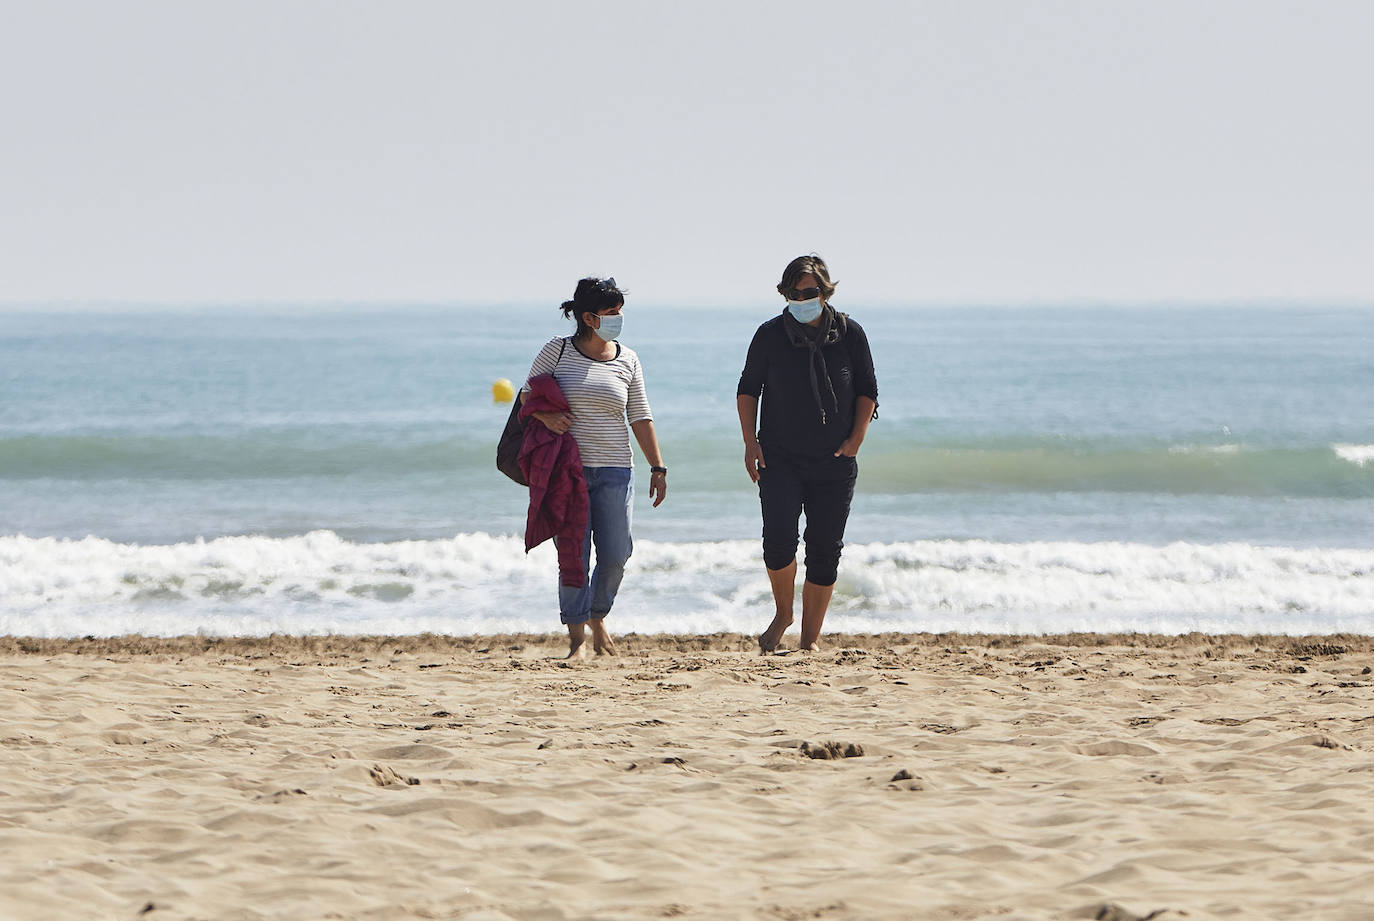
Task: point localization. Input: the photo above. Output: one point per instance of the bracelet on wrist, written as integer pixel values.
(662, 470)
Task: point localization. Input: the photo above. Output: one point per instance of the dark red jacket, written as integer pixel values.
(558, 491)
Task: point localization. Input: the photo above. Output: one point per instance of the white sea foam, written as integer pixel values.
(479, 583)
(1205, 449)
(1359, 455)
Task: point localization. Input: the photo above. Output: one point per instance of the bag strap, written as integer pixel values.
(562, 344)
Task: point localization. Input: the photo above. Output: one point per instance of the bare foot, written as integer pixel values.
(601, 640)
(814, 647)
(577, 642)
(770, 638)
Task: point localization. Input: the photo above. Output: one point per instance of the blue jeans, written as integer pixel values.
(610, 491)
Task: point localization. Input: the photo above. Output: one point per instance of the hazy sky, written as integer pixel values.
(476, 152)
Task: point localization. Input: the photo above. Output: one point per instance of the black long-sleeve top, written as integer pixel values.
(776, 372)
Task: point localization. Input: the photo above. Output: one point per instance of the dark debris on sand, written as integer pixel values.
(831, 751)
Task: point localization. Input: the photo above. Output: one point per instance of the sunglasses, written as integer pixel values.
(607, 285)
(805, 294)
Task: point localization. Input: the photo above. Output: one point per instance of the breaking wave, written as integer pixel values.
(318, 583)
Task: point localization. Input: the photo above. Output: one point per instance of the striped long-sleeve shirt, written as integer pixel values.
(603, 396)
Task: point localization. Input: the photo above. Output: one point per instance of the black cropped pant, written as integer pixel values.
(822, 487)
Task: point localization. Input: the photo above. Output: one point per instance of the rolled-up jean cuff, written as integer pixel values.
(572, 620)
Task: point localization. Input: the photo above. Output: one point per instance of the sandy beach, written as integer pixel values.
(891, 776)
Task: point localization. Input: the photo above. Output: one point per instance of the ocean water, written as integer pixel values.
(247, 471)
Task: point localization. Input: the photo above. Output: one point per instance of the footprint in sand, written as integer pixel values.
(941, 728)
(1140, 721)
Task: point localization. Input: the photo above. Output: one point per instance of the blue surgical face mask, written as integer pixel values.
(805, 311)
(611, 325)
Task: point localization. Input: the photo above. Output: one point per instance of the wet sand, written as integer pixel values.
(891, 776)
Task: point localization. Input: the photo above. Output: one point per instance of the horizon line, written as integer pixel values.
(344, 304)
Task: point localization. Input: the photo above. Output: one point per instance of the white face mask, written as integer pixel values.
(611, 325)
(805, 311)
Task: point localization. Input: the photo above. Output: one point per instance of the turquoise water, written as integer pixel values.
(1017, 427)
(1152, 425)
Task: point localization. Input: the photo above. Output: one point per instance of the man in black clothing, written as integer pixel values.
(812, 370)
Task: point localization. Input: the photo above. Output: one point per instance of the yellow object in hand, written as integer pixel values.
(502, 390)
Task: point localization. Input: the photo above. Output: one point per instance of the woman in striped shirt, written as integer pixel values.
(604, 386)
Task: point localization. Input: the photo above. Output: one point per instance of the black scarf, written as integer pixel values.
(829, 331)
